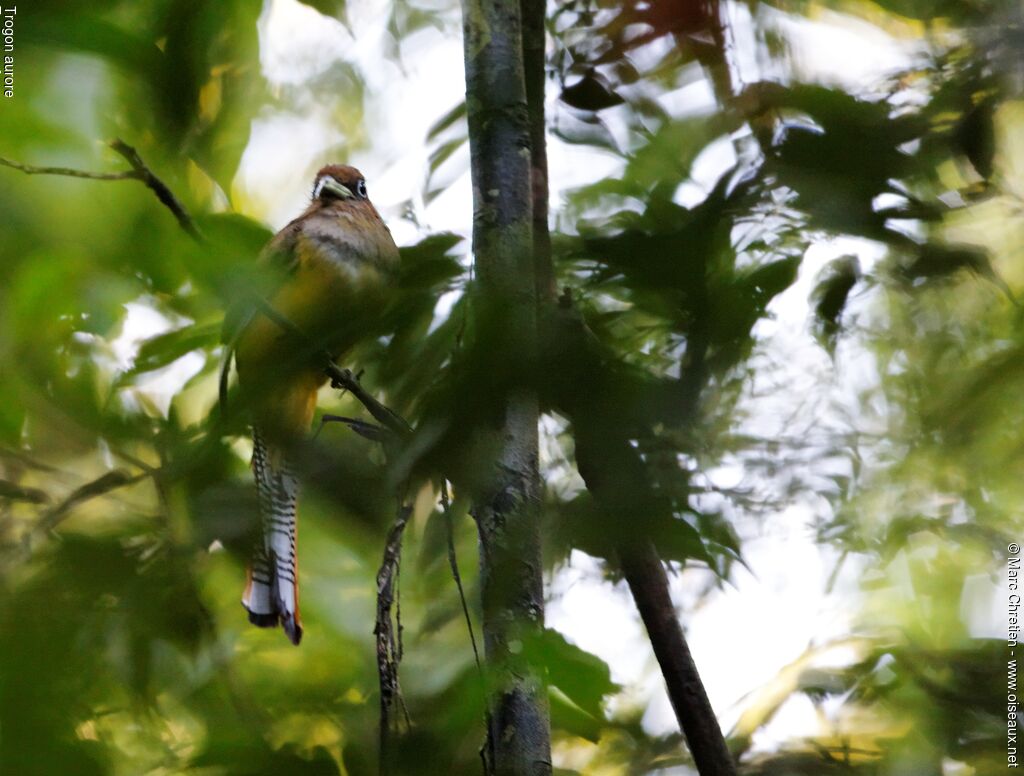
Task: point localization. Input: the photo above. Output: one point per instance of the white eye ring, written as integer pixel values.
(361, 188)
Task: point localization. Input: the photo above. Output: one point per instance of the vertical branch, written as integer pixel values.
(388, 632)
(505, 505)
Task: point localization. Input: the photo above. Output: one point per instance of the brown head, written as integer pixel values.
(339, 182)
(341, 214)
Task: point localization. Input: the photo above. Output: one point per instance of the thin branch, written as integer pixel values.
(366, 430)
(29, 461)
(139, 172)
(31, 169)
(112, 480)
(343, 378)
(158, 187)
(454, 565)
(619, 480)
(14, 492)
(486, 749)
(534, 74)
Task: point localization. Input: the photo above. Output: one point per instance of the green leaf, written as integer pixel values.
(163, 349)
(441, 154)
(87, 33)
(584, 678)
(452, 117)
(567, 716)
(332, 8)
(428, 264)
(677, 540)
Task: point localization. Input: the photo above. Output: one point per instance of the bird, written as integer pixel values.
(332, 267)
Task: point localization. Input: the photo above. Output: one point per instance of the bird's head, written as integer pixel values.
(339, 182)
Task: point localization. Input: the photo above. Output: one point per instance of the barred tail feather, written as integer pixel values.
(272, 590)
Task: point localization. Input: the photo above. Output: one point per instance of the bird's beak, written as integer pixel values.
(337, 189)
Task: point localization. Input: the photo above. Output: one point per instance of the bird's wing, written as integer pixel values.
(278, 260)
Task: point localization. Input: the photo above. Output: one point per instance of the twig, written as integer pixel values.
(139, 172)
(29, 461)
(14, 492)
(485, 750)
(118, 478)
(454, 564)
(158, 187)
(31, 169)
(343, 378)
(366, 430)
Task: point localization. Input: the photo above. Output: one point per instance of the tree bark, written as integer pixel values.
(506, 506)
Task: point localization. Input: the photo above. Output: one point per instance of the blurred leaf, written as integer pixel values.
(333, 8)
(163, 349)
(677, 540)
(584, 130)
(207, 91)
(668, 154)
(584, 678)
(441, 154)
(253, 757)
(975, 135)
(935, 262)
(592, 92)
(567, 716)
(449, 119)
(87, 33)
(12, 413)
(834, 283)
(844, 160)
(428, 264)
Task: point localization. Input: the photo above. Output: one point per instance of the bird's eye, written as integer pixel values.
(361, 188)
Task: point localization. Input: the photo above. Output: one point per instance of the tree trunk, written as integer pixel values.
(506, 507)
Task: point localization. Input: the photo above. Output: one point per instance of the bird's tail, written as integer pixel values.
(272, 590)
